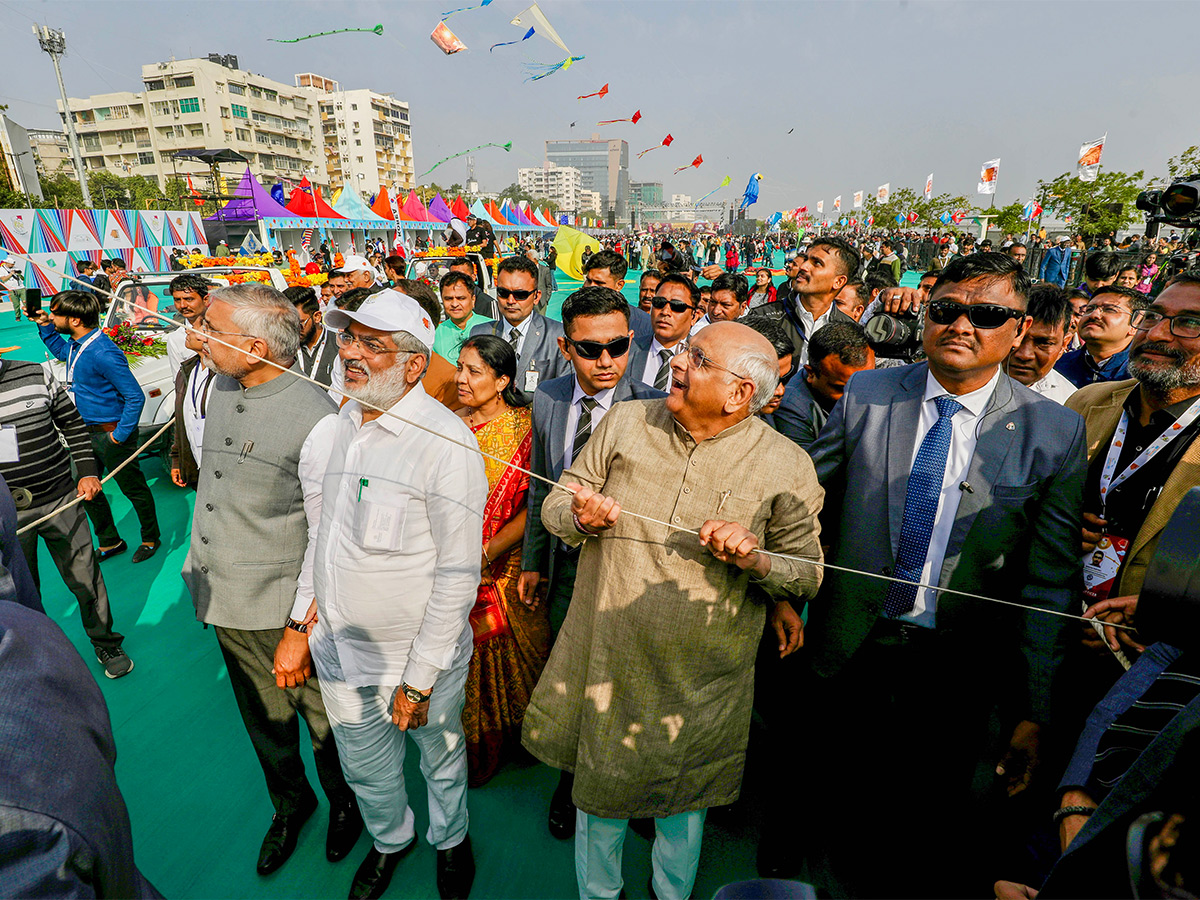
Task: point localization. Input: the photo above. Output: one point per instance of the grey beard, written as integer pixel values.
(381, 390)
(1161, 380)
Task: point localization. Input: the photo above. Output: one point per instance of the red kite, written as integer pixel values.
(634, 119)
(666, 142)
(599, 93)
(695, 163)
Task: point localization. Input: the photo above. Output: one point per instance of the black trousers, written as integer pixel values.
(133, 485)
(271, 716)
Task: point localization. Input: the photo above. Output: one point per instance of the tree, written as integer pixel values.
(1186, 163)
(61, 191)
(1099, 207)
(1008, 219)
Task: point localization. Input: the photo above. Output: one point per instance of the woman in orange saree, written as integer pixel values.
(512, 640)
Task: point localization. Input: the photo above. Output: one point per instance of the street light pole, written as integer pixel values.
(54, 42)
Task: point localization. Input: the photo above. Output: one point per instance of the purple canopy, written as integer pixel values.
(245, 209)
(440, 210)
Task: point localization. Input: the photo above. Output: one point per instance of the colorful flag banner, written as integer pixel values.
(883, 192)
(837, 202)
(1088, 166)
(821, 206)
(987, 176)
(1032, 210)
(858, 199)
(929, 187)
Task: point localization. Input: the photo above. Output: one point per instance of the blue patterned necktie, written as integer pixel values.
(920, 509)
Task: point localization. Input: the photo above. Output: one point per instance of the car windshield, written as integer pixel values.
(136, 303)
(430, 269)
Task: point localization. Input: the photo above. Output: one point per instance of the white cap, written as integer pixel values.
(355, 264)
(953, 247)
(387, 310)
(1064, 239)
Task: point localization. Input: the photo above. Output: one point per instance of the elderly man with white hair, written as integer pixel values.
(396, 571)
(647, 693)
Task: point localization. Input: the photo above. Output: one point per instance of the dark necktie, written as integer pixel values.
(514, 338)
(663, 378)
(920, 509)
(583, 429)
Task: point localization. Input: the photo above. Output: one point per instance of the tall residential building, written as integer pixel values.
(51, 152)
(646, 193)
(367, 137)
(604, 167)
(194, 104)
(590, 202)
(559, 184)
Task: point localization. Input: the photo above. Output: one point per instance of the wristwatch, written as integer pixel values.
(413, 695)
(296, 626)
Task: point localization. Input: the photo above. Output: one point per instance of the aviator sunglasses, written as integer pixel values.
(980, 315)
(505, 293)
(595, 349)
(677, 306)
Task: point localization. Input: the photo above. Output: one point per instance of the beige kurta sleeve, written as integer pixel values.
(794, 529)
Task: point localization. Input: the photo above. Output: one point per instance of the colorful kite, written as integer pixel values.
(378, 29)
(603, 92)
(538, 71)
(528, 35)
(634, 119)
(695, 163)
(446, 39)
(666, 142)
(724, 183)
(505, 147)
(750, 195)
(535, 17)
(447, 15)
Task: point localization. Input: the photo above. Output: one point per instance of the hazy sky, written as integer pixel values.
(875, 92)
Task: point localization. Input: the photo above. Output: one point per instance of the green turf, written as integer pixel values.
(193, 786)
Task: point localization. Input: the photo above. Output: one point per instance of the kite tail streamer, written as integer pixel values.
(378, 29)
(528, 35)
(464, 9)
(538, 71)
(644, 152)
(706, 196)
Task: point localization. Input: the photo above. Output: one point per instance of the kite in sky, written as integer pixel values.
(538, 71)
(695, 163)
(534, 17)
(750, 196)
(378, 29)
(446, 39)
(528, 35)
(505, 147)
(634, 119)
(447, 15)
(600, 93)
(724, 183)
(666, 142)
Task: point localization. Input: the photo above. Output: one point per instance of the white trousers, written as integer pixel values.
(372, 749)
(675, 856)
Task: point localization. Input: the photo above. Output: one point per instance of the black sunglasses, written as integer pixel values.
(505, 293)
(677, 306)
(980, 315)
(595, 349)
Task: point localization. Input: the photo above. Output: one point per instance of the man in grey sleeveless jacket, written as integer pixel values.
(257, 498)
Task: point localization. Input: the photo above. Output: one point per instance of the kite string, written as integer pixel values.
(475, 448)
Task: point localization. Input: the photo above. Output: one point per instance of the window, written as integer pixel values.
(236, 89)
(262, 138)
(124, 136)
(255, 92)
(357, 142)
(161, 107)
(271, 95)
(224, 112)
(260, 117)
(239, 112)
(354, 106)
(359, 158)
(102, 114)
(241, 134)
(182, 81)
(189, 105)
(157, 85)
(145, 159)
(91, 142)
(196, 131)
(284, 101)
(291, 143)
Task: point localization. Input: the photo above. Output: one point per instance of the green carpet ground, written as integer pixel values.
(193, 786)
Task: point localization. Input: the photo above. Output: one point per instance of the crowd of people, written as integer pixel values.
(600, 542)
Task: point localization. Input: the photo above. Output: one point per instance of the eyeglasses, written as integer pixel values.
(981, 315)
(677, 306)
(505, 293)
(1104, 310)
(697, 360)
(594, 349)
(371, 345)
(1186, 325)
(206, 327)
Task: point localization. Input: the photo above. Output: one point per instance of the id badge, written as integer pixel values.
(1100, 567)
(8, 445)
(531, 381)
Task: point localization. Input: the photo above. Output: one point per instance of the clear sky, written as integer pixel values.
(870, 92)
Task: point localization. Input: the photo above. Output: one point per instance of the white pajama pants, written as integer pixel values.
(675, 856)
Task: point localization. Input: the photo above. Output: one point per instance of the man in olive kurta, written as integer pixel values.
(647, 694)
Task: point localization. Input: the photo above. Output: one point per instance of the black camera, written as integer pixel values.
(1177, 205)
(896, 336)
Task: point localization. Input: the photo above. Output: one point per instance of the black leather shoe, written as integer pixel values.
(345, 825)
(375, 873)
(456, 871)
(145, 551)
(119, 547)
(561, 820)
(281, 837)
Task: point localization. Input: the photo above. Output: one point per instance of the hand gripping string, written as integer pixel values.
(474, 448)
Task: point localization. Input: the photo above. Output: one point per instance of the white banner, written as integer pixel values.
(929, 187)
(858, 199)
(837, 202)
(885, 191)
(987, 176)
(1088, 166)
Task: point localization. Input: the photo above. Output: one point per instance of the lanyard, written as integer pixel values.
(312, 360)
(73, 355)
(199, 389)
(1107, 481)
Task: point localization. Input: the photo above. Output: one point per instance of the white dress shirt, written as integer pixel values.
(397, 558)
(314, 459)
(195, 403)
(1055, 386)
(963, 438)
(811, 327)
(177, 352)
(701, 322)
(522, 330)
(654, 360)
(604, 402)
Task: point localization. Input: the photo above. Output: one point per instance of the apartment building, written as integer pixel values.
(559, 184)
(51, 151)
(194, 104)
(366, 135)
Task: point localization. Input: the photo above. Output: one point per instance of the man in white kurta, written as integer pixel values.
(396, 569)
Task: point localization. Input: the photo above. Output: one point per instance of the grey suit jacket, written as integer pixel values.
(539, 351)
(551, 405)
(1015, 535)
(641, 323)
(800, 417)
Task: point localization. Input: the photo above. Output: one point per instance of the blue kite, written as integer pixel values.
(750, 196)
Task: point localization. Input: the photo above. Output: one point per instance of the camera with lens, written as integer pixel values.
(1177, 205)
(896, 335)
